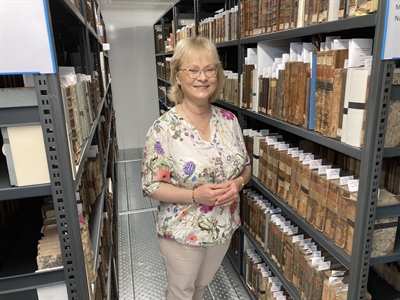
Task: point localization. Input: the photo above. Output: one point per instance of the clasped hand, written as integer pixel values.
(218, 194)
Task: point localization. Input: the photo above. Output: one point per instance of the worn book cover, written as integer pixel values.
(331, 209)
(286, 92)
(304, 190)
(280, 83)
(334, 60)
(272, 96)
(320, 90)
(294, 79)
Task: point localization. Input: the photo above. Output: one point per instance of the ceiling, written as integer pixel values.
(136, 5)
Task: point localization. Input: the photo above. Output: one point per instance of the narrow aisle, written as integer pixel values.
(141, 270)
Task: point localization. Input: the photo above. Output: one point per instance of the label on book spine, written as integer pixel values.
(333, 174)
(353, 185)
(345, 179)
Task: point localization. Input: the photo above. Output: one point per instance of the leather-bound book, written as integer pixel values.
(294, 75)
(334, 59)
(247, 82)
(341, 226)
(303, 74)
(351, 199)
(280, 83)
(320, 90)
(315, 10)
(331, 209)
(272, 96)
(265, 95)
(304, 190)
(321, 198)
(286, 92)
(295, 184)
(282, 166)
(260, 94)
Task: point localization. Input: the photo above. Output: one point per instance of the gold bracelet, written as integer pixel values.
(241, 188)
(193, 198)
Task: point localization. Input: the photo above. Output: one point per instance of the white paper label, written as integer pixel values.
(298, 238)
(326, 265)
(345, 179)
(353, 185)
(333, 173)
(290, 151)
(315, 164)
(322, 169)
(317, 260)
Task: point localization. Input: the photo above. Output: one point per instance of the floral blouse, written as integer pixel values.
(175, 153)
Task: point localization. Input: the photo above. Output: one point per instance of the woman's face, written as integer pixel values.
(201, 88)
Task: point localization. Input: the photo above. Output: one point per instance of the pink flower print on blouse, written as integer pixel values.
(227, 114)
(205, 208)
(192, 239)
(162, 175)
(183, 213)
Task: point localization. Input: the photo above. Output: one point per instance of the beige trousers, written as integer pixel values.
(189, 268)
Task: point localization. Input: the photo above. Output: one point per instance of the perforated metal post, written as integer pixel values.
(371, 158)
(56, 144)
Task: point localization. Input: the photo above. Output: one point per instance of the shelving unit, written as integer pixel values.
(73, 33)
(371, 155)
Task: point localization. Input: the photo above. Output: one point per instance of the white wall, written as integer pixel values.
(133, 72)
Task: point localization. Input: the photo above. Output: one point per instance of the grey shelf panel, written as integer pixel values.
(391, 152)
(395, 93)
(387, 211)
(228, 105)
(334, 26)
(309, 135)
(13, 116)
(288, 286)
(31, 281)
(227, 44)
(18, 97)
(319, 237)
(234, 258)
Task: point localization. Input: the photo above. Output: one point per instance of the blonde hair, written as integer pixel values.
(183, 49)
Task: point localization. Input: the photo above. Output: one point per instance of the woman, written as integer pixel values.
(195, 163)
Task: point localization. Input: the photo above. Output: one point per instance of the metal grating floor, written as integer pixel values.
(141, 271)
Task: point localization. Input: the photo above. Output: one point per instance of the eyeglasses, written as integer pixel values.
(194, 73)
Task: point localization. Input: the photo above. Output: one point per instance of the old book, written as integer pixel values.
(304, 190)
(272, 96)
(282, 187)
(315, 9)
(323, 11)
(303, 74)
(331, 209)
(265, 95)
(286, 92)
(280, 82)
(320, 90)
(260, 94)
(351, 203)
(281, 16)
(336, 99)
(334, 59)
(294, 75)
(247, 71)
(295, 184)
(392, 136)
(274, 15)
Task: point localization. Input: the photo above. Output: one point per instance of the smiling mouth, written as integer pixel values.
(201, 86)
